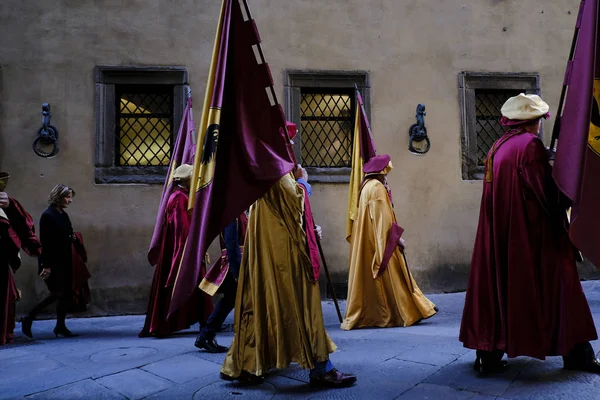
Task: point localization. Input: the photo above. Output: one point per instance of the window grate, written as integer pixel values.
(144, 122)
(487, 119)
(327, 126)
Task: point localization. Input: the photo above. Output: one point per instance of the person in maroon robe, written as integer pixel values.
(17, 232)
(523, 295)
(173, 239)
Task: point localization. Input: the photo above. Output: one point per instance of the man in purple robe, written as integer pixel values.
(17, 232)
(172, 243)
(523, 296)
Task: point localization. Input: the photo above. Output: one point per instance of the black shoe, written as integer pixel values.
(26, 323)
(209, 345)
(245, 378)
(64, 332)
(592, 367)
(485, 368)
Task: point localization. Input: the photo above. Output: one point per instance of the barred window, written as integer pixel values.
(327, 123)
(322, 104)
(488, 103)
(482, 96)
(144, 125)
(138, 112)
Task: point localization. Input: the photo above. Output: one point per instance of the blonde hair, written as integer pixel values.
(58, 192)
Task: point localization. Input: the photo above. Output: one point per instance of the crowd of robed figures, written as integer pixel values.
(523, 297)
(523, 294)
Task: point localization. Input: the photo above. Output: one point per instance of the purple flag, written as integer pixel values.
(577, 166)
(183, 153)
(243, 139)
(363, 149)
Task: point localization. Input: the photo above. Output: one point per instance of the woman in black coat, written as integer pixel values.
(56, 260)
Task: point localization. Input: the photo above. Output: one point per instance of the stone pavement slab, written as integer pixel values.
(182, 368)
(435, 392)
(423, 355)
(460, 375)
(425, 361)
(135, 383)
(86, 389)
(547, 380)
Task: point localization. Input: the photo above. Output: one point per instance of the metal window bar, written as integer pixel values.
(144, 125)
(487, 118)
(327, 126)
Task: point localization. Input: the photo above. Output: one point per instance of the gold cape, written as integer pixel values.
(392, 298)
(278, 317)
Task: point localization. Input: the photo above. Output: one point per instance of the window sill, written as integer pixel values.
(328, 175)
(138, 175)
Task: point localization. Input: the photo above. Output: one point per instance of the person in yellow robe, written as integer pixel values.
(381, 290)
(278, 317)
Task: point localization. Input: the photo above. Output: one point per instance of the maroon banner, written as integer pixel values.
(182, 153)
(577, 166)
(367, 147)
(244, 147)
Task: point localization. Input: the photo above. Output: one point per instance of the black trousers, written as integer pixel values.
(61, 307)
(222, 308)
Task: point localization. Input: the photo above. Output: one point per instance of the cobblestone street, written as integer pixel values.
(426, 361)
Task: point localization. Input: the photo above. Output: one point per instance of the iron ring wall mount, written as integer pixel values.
(418, 133)
(47, 135)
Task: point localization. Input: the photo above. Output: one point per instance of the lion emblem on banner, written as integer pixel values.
(594, 135)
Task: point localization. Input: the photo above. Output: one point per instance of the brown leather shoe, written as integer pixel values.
(334, 379)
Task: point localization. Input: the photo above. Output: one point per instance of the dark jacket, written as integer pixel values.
(56, 236)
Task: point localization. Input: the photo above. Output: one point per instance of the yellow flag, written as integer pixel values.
(356, 176)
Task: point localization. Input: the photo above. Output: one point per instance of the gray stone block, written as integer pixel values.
(183, 368)
(460, 375)
(386, 380)
(548, 380)
(135, 383)
(185, 390)
(86, 389)
(228, 390)
(424, 355)
(35, 380)
(355, 355)
(426, 391)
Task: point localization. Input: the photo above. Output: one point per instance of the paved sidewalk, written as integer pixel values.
(425, 361)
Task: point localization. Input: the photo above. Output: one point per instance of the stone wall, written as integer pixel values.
(412, 49)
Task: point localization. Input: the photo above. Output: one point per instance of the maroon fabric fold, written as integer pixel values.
(217, 272)
(81, 290)
(15, 234)
(523, 292)
(577, 165)
(311, 237)
(367, 146)
(390, 246)
(172, 242)
(249, 153)
(183, 153)
(22, 229)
